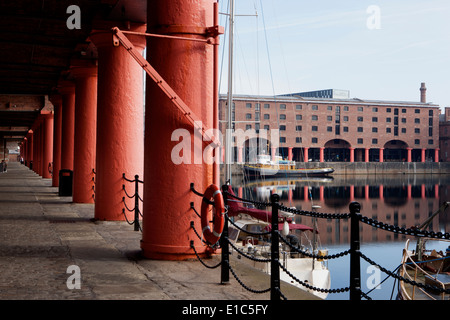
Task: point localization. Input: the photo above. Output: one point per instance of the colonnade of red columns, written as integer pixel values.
(37, 147)
(97, 127)
(352, 154)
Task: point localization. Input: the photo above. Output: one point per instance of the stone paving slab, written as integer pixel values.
(42, 234)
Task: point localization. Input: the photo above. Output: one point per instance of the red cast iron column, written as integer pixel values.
(30, 148)
(47, 144)
(67, 90)
(187, 66)
(120, 122)
(85, 132)
(57, 121)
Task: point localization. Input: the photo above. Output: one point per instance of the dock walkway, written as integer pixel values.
(42, 235)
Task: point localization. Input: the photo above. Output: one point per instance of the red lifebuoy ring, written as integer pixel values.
(218, 221)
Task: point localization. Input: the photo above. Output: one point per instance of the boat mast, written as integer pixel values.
(230, 96)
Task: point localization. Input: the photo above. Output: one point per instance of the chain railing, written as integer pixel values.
(137, 199)
(355, 217)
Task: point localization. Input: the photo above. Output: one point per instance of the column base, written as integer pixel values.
(172, 253)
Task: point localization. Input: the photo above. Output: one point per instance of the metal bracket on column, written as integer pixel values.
(119, 38)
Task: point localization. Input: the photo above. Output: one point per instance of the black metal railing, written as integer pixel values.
(355, 217)
(137, 199)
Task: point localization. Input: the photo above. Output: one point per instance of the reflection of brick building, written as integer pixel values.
(403, 205)
(341, 129)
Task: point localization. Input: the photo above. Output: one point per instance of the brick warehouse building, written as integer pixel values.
(339, 129)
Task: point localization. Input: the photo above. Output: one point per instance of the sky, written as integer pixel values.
(381, 50)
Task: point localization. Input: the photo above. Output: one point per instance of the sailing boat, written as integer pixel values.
(267, 166)
(429, 267)
(248, 220)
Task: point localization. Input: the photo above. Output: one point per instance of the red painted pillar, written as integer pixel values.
(381, 155)
(37, 146)
(30, 149)
(305, 154)
(366, 155)
(240, 154)
(352, 154)
(290, 153)
(34, 148)
(274, 153)
(409, 154)
(47, 144)
(67, 90)
(321, 157)
(85, 133)
(120, 123)
(436, 155)
(187, 66)
(57, 123)
(423, 155)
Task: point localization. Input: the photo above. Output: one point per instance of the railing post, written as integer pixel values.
(225, 268)
(136, 203)
(275, 251)
(355, 259)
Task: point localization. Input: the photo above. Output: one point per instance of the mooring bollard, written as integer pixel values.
(355, 259)
(275, 251)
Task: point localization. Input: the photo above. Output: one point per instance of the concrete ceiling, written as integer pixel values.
(36, 46)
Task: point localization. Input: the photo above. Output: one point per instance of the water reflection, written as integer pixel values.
(403, 200)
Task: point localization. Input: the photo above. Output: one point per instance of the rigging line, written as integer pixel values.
(291, 103)
(223, 50)
(281, 149)
(270, 70)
